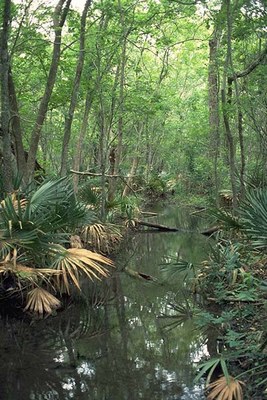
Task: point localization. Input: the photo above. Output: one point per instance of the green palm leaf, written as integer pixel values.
(254, 217)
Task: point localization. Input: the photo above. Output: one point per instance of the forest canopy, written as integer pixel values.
(142, 89)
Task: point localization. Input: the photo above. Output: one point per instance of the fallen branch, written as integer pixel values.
(156, 226)
(139, 275)
(233, 299)
(88, 173)
(148, 214)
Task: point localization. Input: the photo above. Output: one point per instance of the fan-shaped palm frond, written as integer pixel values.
(41, 301)
(180, 313)
(74, 262)
(223, 389)
(34, 227)
(173, 270)
(45, 216)
(101, 237)
(226, 218)
(254, 217)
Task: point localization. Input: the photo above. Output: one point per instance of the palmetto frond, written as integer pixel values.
(180, 313)
(34, 227)
(74, 262)
(254, 217)
(226, 218)
(41, 301)
(173, 270)
(102, 237)
(223, 389)
(25, 275)
(45, 216)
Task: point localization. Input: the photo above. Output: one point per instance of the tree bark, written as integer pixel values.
(16, 126)
(78, 152)
(226, 105)
(60, 15)
(5, 106)
(214, 118)
(74, 94)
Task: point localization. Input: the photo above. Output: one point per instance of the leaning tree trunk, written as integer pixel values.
(60, 15)
(5, 107)
(74, 94)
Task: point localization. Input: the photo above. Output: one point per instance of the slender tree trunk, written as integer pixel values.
(226, 105)
(214, 118)
(5, 106)
(242, 153)
(74, 94)
(78, 152)
(16, 126)
(135, 160)
(121, 106)
(60, 15)
(133, 170)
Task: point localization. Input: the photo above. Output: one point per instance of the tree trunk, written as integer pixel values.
(78, 152)
(226, 105)
(242, 153)
(135, 161)
(5, 106)
(127, 187)
(16, 127)
(60, 15)
(214, 119)
(121, 106)
(74, 94)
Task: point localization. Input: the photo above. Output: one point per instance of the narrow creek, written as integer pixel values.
(122, 341)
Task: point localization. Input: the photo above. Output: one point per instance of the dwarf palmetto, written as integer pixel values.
(35, 228)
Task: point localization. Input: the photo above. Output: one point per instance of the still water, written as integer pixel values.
(123, 341)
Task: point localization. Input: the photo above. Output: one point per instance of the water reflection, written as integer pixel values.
(112, 345)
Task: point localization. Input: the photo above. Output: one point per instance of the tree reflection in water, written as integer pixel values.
(112, 345)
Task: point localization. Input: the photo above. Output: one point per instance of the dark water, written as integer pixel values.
(123, 341)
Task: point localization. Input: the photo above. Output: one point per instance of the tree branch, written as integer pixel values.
(250, 68)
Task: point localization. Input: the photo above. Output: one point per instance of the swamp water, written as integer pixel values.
(124, 342)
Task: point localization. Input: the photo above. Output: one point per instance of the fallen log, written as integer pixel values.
(139, 275)
(164, 228)
(148, 214)
(156, 226)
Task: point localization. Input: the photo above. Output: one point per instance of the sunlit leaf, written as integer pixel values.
(73, 262)
(223, 389)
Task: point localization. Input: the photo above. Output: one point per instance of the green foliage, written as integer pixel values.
(233, 277)
(254, 217)
(35, 227)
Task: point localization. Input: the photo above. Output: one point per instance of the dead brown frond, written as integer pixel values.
(22, 271)
(75, 242)
(130, 223)
(16, 201)
(40, 301)
(77, 261)
(223, 389)
(103, 238)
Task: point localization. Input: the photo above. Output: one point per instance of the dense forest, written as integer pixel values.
(110, 105)
(140, 89)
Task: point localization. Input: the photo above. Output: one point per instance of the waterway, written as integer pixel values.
(124, 340)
